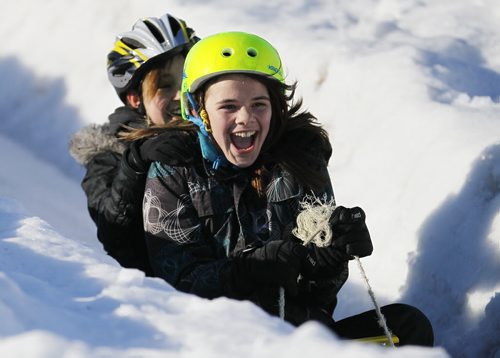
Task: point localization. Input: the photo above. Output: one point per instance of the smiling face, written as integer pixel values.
(239, 110)
(161, 91)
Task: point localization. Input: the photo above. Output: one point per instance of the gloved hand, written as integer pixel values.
(132, 157)
(277, 262)
(173, 147)
(169, 147)
(324, 262)
(349, 231)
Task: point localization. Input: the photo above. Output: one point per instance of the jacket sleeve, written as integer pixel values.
(114, 197)
(114, 190)
(179, 250)
(96, 184)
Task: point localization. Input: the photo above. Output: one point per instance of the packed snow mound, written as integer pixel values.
(409, 92)
(60, 297)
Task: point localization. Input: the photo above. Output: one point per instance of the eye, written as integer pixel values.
(260, 105)
(166, 83)
(228, 107)
(165, 86)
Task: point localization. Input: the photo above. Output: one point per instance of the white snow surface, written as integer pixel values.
(409, 91)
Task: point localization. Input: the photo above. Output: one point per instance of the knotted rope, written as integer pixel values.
(313, 227)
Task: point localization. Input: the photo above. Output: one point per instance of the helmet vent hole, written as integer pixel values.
(174, 25)
(227, 52)
(133, 44)
(251, 52)
(154, 31)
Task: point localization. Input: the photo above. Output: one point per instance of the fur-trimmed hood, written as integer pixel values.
(98, 138)
(92, 140)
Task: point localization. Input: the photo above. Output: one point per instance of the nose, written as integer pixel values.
(244, 116)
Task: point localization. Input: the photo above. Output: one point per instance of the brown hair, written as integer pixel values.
(150, 83)
(296, 141)
(176, 123)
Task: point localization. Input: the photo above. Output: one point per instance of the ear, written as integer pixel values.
(133, 99)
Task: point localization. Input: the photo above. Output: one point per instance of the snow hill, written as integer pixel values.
(410, 94)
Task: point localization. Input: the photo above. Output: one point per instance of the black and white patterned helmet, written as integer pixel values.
(151, 41)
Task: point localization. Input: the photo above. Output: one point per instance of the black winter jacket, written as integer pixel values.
(114, 190)
(195, 219)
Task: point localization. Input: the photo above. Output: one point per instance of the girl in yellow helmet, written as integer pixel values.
(219, 220)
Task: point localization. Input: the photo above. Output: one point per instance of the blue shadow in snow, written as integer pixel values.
(34, 114)
(460, 67)
(455, 258)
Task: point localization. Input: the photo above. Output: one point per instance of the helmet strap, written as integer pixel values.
(142, 110)
(208, 149)
(201, 117)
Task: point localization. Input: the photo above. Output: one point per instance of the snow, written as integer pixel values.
(410, 94)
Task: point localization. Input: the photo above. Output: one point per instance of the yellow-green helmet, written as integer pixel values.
(224, 53)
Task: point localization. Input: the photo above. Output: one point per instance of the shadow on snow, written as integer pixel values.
(456, 258)
(34, 114)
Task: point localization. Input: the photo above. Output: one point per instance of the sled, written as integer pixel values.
(382, 340)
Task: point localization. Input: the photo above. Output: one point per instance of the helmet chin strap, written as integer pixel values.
(208, 149)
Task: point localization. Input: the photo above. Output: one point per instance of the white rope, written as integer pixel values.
(282, 303)
(313, 226)
(313, 221)
(381, 319)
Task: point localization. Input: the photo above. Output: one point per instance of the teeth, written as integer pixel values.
(244, 134)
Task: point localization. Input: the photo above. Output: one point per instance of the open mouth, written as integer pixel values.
(243, 141)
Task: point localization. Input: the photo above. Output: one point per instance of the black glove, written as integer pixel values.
(169, 147)
(324, 262)
(277, 262)
(173, 147)
(349, 231)
(132, 157)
